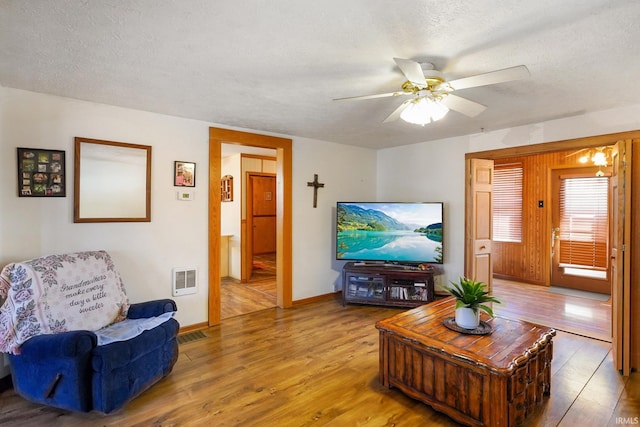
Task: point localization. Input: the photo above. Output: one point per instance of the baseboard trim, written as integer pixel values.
(517, 279)
(319, 298)
(193, 328)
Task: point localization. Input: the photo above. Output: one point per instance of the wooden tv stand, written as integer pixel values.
(384, 284)
(478, 380)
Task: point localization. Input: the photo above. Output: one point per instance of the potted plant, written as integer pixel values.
(471, 298)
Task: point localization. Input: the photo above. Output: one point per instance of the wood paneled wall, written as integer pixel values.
(529, 261)
(577, 144)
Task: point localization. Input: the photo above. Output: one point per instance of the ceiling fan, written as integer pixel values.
(432, 95)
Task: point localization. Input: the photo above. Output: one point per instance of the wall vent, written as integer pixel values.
(191, 336)
(185, 281)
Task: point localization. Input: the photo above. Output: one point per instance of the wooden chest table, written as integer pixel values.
(478, 380)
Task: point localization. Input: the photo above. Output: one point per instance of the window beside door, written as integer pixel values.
(507, 202)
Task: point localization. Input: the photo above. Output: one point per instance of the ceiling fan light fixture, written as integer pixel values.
(424, 110)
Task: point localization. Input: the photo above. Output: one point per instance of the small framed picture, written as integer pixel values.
(184, 174)
(41, 173)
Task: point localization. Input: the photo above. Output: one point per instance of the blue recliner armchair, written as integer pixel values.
(121, 351)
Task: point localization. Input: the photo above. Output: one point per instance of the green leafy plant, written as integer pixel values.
(472, 294)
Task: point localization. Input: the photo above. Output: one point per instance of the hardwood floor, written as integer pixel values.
(536, 304)
(238, 298)
(259, 293)
(317, 364)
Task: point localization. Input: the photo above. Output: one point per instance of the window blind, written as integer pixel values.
(507, 202)
(584, 222)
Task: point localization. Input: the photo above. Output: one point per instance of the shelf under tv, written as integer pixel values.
(387, 284)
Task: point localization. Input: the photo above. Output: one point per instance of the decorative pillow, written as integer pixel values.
(59, 293)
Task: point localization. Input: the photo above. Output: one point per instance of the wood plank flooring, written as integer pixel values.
(536, 304)
(317, 365)
(259, 293)
(238, 298)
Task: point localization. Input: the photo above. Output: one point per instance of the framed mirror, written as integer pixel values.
(112, 181)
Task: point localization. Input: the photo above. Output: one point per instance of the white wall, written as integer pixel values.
(230, 215)
(429, 172)
(177, 234)
(348, 174)
(143, 252)
(591, 124)
(434, 171)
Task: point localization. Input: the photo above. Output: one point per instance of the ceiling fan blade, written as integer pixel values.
(493, 77)
(462, 105)
(379, 95)
(412, 71)
(396, 113)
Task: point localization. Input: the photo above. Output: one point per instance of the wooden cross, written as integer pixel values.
(315, 184)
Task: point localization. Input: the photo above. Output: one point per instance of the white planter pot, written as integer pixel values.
(466, 318)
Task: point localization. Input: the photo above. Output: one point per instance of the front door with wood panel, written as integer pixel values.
(580, 229)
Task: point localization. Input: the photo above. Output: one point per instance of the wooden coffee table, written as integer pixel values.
(478, 380)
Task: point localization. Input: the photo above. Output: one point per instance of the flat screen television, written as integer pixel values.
(402, 233)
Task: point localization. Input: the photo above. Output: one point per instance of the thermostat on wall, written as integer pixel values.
(185, 196)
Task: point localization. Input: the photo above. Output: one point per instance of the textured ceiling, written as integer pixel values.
(275, 66)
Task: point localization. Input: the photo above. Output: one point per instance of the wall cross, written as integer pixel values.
(315, 184)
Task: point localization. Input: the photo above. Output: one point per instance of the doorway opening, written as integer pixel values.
(248, 223)
(580, 227)
(521, 255)
(283, 166)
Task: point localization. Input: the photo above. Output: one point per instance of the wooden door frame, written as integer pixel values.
(545, 147)
(622, 310)
(283, 148)
(566, 145)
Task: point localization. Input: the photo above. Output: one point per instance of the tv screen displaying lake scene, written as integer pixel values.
(389, 232)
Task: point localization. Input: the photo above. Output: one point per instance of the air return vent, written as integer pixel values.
(185, 281)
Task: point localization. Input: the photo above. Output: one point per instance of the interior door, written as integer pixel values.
(620, 256)
(478, 221)
(580, 232)
(263, 213)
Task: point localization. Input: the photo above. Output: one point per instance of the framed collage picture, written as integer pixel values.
(41, 173)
